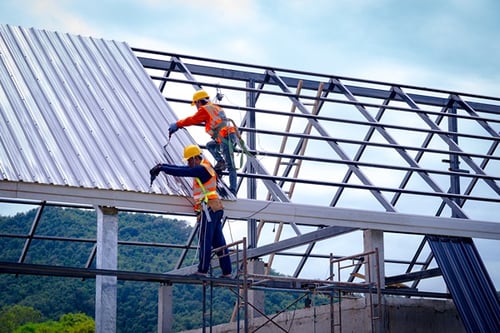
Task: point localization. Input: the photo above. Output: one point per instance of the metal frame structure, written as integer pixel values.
(386, 156)
(319, 99)
(451, 161)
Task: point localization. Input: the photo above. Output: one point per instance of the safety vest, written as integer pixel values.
(217, 127)
(202, 192)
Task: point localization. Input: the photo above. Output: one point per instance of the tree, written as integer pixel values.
(52, 297)
(12, 317)
(69, 323)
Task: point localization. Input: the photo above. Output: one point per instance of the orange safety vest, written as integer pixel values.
(217, 127)
(202, 192)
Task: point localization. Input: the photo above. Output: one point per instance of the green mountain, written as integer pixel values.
(137, 301)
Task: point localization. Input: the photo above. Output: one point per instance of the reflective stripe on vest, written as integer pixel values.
(208, 190)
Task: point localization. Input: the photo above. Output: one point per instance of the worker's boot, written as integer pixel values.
(220, 166)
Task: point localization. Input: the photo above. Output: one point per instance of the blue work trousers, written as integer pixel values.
(227, 146)
(211, 237)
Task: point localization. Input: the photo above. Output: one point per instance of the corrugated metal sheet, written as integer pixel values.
(79, 111)
(467, 279)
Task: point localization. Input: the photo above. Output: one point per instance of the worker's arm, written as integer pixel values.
(200, 117)
(184, 171)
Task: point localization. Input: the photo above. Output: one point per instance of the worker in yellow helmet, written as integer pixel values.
(208, 206)
(216, 125)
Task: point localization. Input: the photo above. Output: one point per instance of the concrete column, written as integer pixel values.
(107, 258)
(165, 310)
(374, 239)
(256, 297)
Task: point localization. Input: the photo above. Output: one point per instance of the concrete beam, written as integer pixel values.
(243, 209)
(302, 214)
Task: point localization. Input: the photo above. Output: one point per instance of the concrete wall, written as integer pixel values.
(402, 315)
(421, 315)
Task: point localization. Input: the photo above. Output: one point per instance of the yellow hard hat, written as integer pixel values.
(191, 151)
(200, 94)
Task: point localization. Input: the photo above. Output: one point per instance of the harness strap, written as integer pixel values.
(241, 142)
(217, 137)
(204, 190)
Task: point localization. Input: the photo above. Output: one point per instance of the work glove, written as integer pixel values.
(172, 128)
(154, 172)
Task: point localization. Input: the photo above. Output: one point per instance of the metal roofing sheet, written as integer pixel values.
(467, 279)
(80, 111)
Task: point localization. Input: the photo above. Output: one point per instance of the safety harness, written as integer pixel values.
(200, 192)
(220, 130)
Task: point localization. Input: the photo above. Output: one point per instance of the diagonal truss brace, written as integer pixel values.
(294, 162)
(362, 148)
(452, 204)
(333, 144)
(183, 68)
(272, 187)
(452, 144)
(426, 142)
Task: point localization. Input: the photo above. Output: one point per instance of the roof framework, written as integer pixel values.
(395, 146)
(331, 155)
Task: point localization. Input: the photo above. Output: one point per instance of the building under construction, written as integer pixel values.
(348, 186)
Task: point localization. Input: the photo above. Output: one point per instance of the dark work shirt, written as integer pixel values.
(197, 171)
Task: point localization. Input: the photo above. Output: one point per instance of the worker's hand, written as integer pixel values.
(172, 128)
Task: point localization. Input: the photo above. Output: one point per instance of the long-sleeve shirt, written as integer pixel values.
(197, 171)
(201, 117)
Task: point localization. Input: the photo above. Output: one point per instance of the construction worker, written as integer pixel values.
(223, 136)
(208, 206)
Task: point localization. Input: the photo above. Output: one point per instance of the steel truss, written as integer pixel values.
(400, 148)
(454, 141)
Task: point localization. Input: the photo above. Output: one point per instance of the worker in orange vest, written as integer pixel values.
(208, 206)
(216, 125)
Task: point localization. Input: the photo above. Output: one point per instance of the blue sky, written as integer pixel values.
(443, 44)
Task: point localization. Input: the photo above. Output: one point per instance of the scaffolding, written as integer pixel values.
(372, 282)
(333, 287)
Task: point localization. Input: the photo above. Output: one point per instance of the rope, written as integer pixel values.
(241, 141)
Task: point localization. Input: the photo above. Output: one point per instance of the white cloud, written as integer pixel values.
(58, 15)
